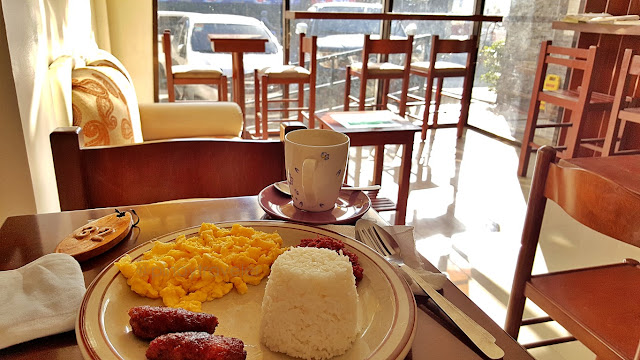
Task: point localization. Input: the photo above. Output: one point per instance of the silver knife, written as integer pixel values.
(466, 324)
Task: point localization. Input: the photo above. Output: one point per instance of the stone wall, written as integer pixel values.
(528, 24)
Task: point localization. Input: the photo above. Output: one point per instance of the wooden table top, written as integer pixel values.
(383, 121)
(26, 238)
(237, 43)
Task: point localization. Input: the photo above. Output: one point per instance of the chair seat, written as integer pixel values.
(572, 95)
(188, 71)
(379, 68)
(285, 72)
(630, 114)
(597, 302)
(444, 68)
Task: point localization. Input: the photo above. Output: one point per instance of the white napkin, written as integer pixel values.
(404, 236)
(39, 299)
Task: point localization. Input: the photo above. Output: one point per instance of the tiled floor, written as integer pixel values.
(467, 206)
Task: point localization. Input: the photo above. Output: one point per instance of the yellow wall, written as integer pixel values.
(38, 31)
(16, 192)
(131, 36)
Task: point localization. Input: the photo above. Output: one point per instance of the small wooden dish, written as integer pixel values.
(97, 236)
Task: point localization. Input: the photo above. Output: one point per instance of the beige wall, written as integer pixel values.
(131, 37)
(16, 192)
(38, 31)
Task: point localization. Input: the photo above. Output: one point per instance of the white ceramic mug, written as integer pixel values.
(316, 161)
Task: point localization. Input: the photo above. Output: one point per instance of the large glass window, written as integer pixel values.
(507, 61)
(191, 22)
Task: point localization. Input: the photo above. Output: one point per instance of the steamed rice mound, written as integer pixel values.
(309, 309)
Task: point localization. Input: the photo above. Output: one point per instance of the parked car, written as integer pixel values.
(191, 44)
(195, 47)
(340, 35)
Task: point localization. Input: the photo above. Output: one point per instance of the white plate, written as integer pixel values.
(387, 307)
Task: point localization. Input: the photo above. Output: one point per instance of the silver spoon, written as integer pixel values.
(284, 187)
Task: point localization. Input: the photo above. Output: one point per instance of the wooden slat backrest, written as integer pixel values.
(308, 45)
(451, 46)
(570, 63)
(577, 53)
(595, 202)
(166, 47)
(633, 84)
(388, 46)
(161, 170)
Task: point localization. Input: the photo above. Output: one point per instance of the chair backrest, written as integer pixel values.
(573, 59)
(453, 46)
(606, 207)
(161, 170)
(387, 47)
(628, 81)
(309, 45)
(166, 47)
(596, 202)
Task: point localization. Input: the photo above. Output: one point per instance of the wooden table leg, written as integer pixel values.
(378, 161)
(403, 184)
(238, 84)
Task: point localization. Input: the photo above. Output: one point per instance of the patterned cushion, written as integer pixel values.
(105, 106)
(104, 58)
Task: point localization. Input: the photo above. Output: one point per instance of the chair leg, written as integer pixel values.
(256, 105)
(222, 88)
(171, 90)
(285, 97)
(436, 110)
(529, 131)
(465, 104)
(265, 108)
(574, 135)
(427, 107)
(385, 94)
(362, 96)
(347, 89)
(300, 100)
(404, 97)
(312, 104)
(612, 136)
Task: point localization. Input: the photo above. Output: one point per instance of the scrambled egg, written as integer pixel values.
(189, 271)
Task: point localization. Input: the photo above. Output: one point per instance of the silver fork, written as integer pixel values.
(383, 243)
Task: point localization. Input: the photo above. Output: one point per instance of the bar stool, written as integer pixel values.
(624, 111)
(441, 70)
(385, 71)
(580, 102)
(190, 75)
(286, 75)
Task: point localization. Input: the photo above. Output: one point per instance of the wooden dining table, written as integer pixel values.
(237, 45)
(26, 238)
(379, 128)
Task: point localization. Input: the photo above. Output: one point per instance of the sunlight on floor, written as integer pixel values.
(467, 206)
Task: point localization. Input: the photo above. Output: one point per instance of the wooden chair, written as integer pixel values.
(384, 71)
(598, 305)
(442, 70)
(580, 101)
(624, 109)
(190, 75)
(286, 75)
(93, 177)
